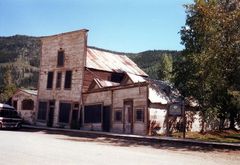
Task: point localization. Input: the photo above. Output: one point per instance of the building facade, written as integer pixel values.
(25, 102)
(82, 87)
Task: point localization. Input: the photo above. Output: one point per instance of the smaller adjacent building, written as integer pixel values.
(25, 102)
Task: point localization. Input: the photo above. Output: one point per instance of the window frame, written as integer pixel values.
(52, 79)
(70, 112)
(137, 109)
(43, 101)
(59, 81)
(101, 113)
(60, 58)
(115, 112)
(65, 81)
(26, 102)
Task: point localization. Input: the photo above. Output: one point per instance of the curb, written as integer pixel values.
(139, 138)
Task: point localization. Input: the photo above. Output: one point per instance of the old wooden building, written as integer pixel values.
(25, 102)
(82, 87)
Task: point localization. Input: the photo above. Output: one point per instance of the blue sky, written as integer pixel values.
(120, 25)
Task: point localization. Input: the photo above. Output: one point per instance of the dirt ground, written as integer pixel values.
(53, 147)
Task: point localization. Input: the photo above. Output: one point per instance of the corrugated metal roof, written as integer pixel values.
(111, 62)
(105, 83)
(162, 92)
(30, 91)
(136, 78)
(157, 97)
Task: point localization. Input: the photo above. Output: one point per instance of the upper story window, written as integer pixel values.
(60, 58)
(117, 77)
(59, 80)
(68, 79)
(50, 80)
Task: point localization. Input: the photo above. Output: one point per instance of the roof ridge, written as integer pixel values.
(107, 51)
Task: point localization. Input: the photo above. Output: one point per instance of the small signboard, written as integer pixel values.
(175, 110)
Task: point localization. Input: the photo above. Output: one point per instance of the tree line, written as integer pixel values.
(209, 67)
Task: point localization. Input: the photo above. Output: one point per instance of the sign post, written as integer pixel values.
(177, 109)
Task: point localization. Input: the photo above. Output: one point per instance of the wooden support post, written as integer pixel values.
(184, 120)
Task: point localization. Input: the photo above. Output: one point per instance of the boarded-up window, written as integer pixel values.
(139, 115)
(118, 115)
(60, 59)
(50, 80)
(27, 104)
(59, 80)
(64, 112)
(68, 79)
(93, 113)
(42, 110)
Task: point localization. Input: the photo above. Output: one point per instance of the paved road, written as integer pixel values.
(49, 147)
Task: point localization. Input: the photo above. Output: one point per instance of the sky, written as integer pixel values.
(119, 25)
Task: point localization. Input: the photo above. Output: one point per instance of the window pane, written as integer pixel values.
(64, 112)
(139, 115)
(68, 79)
(93, 113)
(59, 80)
(50, 80)
(4, 113)
(42, 110)
(27, 104)
(60, 60)
(118, 115)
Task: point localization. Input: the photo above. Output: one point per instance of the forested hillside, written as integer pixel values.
(19, 56)
(158, 64)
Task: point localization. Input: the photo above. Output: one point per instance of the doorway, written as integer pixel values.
(128, 117)
(51, 108)
(75, 117)
(106, 123)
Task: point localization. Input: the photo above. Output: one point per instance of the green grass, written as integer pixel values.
(226, 136)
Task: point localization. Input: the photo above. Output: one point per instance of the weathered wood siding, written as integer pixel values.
(115, 98)
(74, 46)
(29, 116)
(103, 97)
(90, 74)
(158, 115)
(139, 97)
(157, 118)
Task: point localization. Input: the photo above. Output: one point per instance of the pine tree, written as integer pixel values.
(8, 87)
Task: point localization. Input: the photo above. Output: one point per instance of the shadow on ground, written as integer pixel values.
(129, 142)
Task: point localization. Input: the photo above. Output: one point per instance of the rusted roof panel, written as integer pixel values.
(105, 83)
(111, 62)
(30, 91)
(136, 78)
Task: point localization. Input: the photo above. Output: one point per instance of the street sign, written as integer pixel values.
(175, 109)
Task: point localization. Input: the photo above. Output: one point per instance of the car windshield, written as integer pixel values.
(9, 113)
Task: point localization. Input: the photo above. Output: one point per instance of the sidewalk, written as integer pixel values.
(219, 145)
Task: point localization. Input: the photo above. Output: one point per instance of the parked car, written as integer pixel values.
(9, 117)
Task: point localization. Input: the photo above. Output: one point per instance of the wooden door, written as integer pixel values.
(128, 117)
(51, 108)
(106, 123)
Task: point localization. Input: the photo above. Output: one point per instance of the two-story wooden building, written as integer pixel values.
(86, 88)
